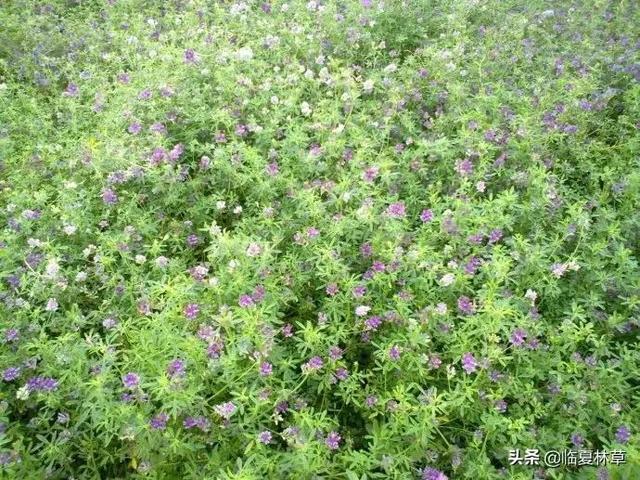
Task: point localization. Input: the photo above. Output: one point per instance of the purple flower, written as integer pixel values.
(176, 152)
(332, 289)
(396, 210)
(433, 474)
(475, 239)
(10, 374)
(246, 301)
(190, 56)
(426, 215)
(314, 363)
(131, 380)
(359, 291)
(241, 130)
(394, 353)
(434, 361)
(366, 250)
(272, 169)
(109, 197)
(258, 293)
(11, 335)
(159, 422)
(518, 336)
(158, 127)
(464, 167)
(71, 90)
(312, 232)
(193, 240)
(214, 349)
(225, 410)
(366, 3)
(577, 440)
(342, 373)
(287, 330)
(144, 94)
(469, 363)
(124, 78)
(191, 311)
(465, 305)
(265, 437)
(370, 401)
(135, 128)
(335, 353)
(370, 174)
(495, 235)
(623, 434)
(501, 406)
(282, 407)
(266, 369)
(472, 265)
(196, 422)
(41, 384)
(333, 440)
(372, 323)
(176, 368)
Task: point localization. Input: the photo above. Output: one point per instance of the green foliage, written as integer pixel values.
(337, 240)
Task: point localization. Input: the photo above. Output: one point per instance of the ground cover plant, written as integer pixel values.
(318, 240)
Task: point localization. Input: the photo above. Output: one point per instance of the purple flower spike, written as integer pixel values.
(131, 380)
(333, 440)
(265, 437)
(433, 474)
(469, 363)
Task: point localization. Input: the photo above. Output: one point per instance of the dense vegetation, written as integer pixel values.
(318, 240)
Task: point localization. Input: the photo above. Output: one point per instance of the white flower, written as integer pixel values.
(140, 259)
(305, 109)
(368, 86)
(274, 100)
(52, 305)
(34, 242)
(573, 265)
(214, 230)
(480, 186)
(362, 310)
(391, 68)
(237, 210)
(70, 229)
(221, 205)
(531, 295)
(214, 281)
(447, 279)
(23, 393)
(441, 308)
(81, 277)
(52, 268)
(284, 7)
(244, 54)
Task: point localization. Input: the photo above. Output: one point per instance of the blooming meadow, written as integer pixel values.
(318, 240)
